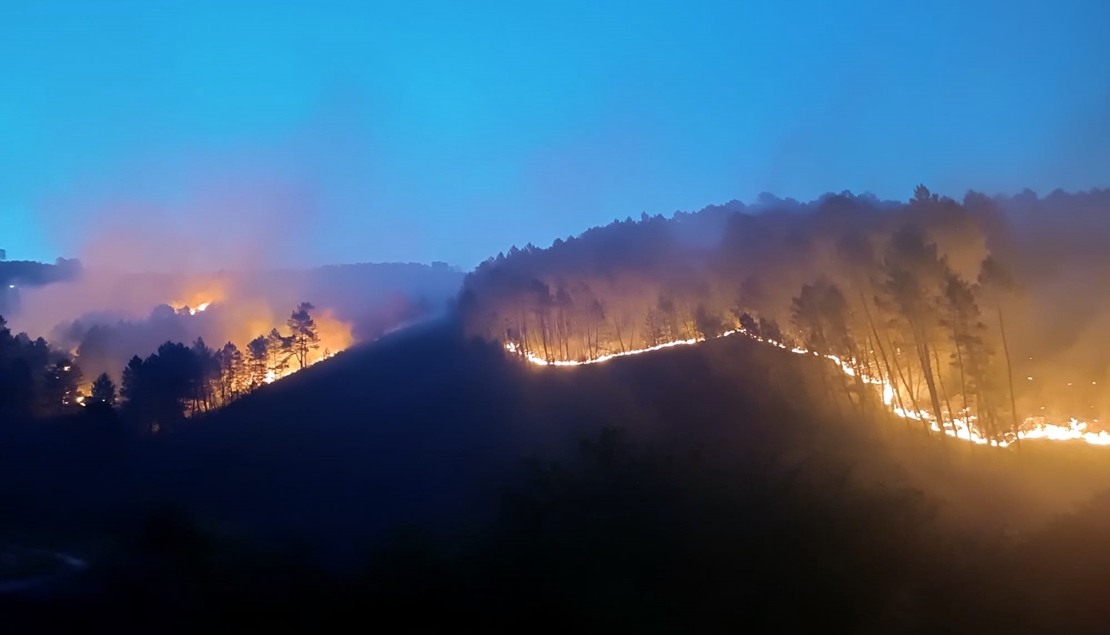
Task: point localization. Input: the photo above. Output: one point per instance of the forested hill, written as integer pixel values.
(420, 427)
(920, 292)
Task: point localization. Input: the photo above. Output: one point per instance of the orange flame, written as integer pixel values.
(1034, 428)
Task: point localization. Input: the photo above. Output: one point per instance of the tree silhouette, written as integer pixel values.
(233, 380)
(208, 373)
(304, 336)
(132, 390)
(995, 280)
(258, 360)
(160, 390)
(280, 348)
(103, 391)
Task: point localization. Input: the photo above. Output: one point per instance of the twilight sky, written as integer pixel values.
(195, 133)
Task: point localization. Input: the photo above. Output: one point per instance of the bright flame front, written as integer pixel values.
(1033, 428)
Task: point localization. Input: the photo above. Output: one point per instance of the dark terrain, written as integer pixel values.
(693, 490)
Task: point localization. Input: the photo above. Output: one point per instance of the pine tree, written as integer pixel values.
(103, 391)
(304, 336)
(258, 355)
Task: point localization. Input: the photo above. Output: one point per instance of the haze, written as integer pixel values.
(207, 135)
(651, 317)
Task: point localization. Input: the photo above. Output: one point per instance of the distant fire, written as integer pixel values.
(334, 334)
(193, 310)
(961, 427)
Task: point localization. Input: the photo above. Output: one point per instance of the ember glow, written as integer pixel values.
(334, 336)
(958, 425)
(194, 311)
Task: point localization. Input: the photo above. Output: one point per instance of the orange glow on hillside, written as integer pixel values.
(961, 427)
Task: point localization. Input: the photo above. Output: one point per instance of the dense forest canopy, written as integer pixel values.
(989, 307)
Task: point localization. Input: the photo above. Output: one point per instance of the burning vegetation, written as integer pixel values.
(174, 382)
(918, 303)
(180, 381)
(93, 333)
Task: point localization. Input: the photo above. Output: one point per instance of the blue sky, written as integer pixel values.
(419, 131)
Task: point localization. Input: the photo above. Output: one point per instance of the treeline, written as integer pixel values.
(910, 293)
(35, 380)
(173, 383)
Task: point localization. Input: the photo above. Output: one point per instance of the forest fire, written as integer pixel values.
(945, 310)
(961, 427)
(318, 335)
(185, 308)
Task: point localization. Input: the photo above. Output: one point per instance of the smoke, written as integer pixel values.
(1055, 248)
(106, 318)
(1054, 315)
(238, 225)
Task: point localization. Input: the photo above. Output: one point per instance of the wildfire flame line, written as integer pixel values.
(959, 427)
(271, 374)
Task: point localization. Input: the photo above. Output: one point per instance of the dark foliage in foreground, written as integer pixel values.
(627, 539)
(735, 498)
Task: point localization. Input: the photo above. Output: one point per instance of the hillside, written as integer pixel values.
(426, 428)
(987, 313)
(726, 464)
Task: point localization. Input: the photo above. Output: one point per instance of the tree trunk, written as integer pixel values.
(882, 353)
(930, 382)
(963, 387)
(909, 390)
(1009, 376)
(944, 395)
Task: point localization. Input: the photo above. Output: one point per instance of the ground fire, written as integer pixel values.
(960, 425)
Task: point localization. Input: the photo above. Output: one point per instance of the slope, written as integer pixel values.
(425, 428)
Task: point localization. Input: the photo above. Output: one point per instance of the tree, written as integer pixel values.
(914, 275)
(541, 307)
(258, 356)
(174, 373)
(654, 331)
(233, 379)
(668, 319)
(921, 194)
(770, 330)
(970, 353)
(158, 390)
(708, 324)
(281, 350)
(208, 372)
(59, 386)
(131, 386)
(304, 336)
(820, 313)
(103, 391)
(994, 279)
(749, 324)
